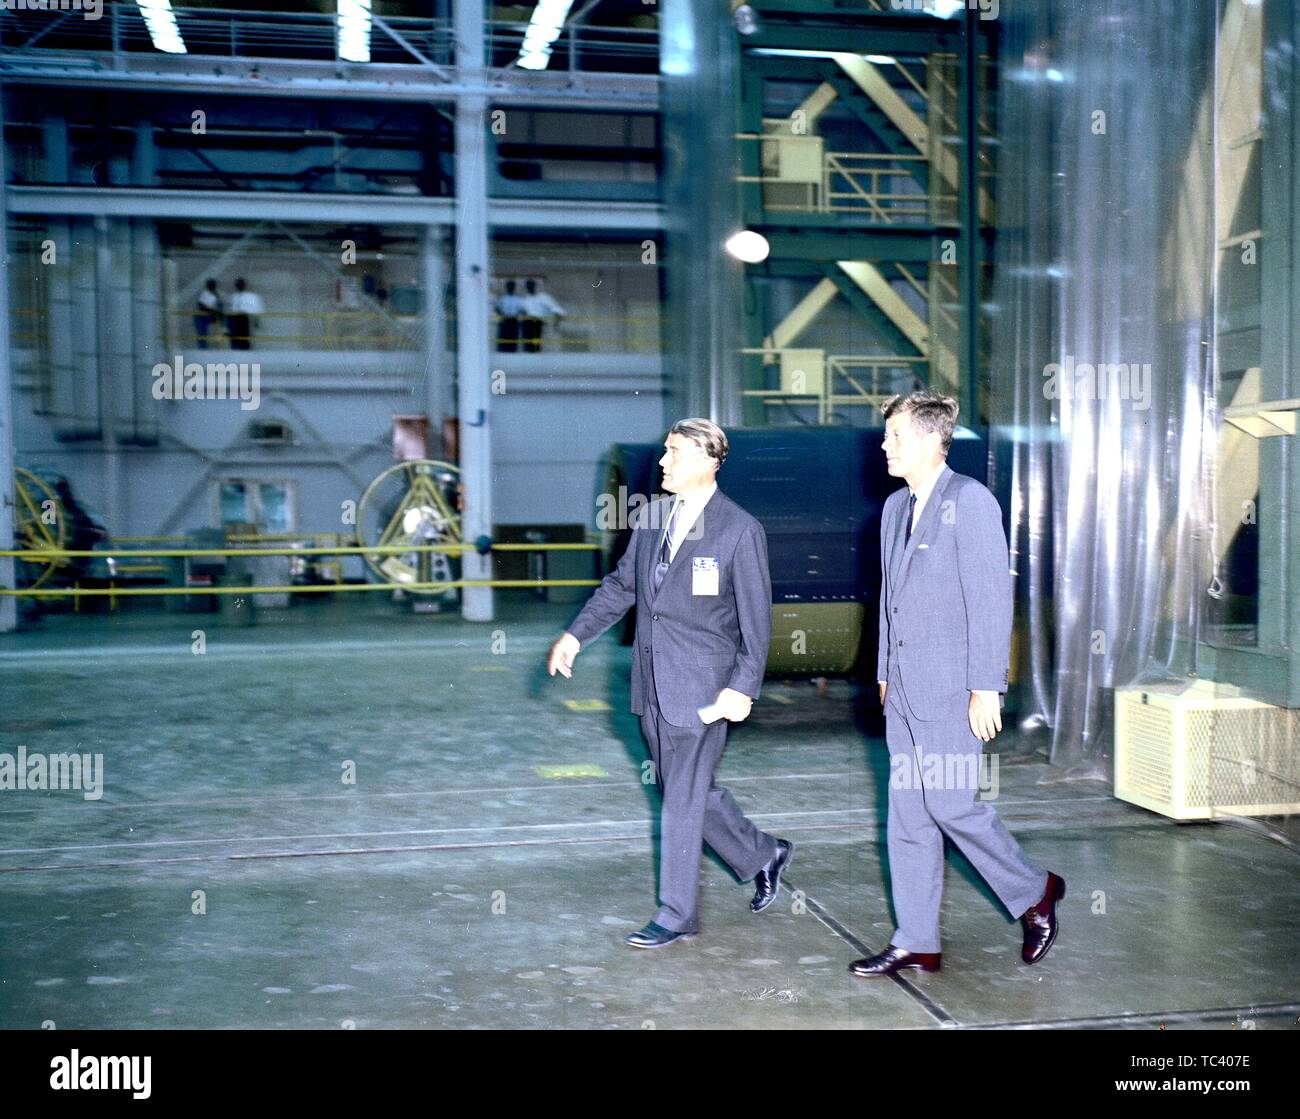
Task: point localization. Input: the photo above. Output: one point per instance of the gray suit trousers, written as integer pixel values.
(696, 811)
(922, 812)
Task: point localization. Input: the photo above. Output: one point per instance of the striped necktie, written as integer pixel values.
(911, 511)
(665, 547)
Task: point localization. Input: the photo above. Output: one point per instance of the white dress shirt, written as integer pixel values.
(688, 512)
(540, 304)
(246, 303)
(922, 493)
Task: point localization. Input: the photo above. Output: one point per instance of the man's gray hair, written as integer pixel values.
(931, 411)
(706, 435)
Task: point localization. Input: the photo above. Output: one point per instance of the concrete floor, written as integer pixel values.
(465, 881)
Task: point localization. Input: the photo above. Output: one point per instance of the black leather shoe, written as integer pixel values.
(768, 880)
(1040, 922)
(894, 959)
(656, 936)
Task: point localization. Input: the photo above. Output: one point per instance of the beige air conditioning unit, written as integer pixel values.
(1200, 750)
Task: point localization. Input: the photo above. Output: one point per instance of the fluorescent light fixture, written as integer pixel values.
(946, 9)
(160, 21)
(790, 52)
(543, 29)
(354, 30)
(748, 246)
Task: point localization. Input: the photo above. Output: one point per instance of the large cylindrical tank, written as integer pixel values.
(818, 492)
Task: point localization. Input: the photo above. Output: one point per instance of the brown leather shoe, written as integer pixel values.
(1040, 922)
(894, 959)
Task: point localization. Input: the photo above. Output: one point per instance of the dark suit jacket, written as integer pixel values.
(945, 597)
(690, 646)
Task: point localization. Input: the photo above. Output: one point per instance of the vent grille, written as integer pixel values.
(1193, 753)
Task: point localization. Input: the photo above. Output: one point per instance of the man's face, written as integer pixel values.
(907, 451)
(686, 465)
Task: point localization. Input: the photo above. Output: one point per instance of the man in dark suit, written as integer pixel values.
(696, 570)
(943, 662)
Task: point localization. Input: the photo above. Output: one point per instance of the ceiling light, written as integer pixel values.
(160, 22)
(543, 29)
(748, 246)
(354, 30)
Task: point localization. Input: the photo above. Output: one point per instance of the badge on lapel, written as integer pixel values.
(704, 575)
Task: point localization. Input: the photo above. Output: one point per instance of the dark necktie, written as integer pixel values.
(911, 509)
(665, 549)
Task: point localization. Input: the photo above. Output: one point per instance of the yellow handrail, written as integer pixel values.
(306, 588)
(244, 553)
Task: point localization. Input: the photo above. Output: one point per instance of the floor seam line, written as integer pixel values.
(934, 1009)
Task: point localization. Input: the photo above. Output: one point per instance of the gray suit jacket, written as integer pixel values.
(690, 646)
(945, 597)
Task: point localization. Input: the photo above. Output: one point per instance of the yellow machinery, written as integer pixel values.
(39, 525)
(416, 502)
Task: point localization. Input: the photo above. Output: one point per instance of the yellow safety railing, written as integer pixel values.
(44, 554)
(864, 174)
(347, 331)
(844, 181)
(836, 372)
(304, 588)
(55, 554)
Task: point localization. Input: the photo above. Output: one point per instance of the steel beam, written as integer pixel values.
(267, 77)
(173, 205)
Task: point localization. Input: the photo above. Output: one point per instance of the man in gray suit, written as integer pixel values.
(696, 569)
(943, 662)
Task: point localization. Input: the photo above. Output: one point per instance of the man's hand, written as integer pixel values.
(562, 654)
(883, 689)
(735, 706)
(984, 713)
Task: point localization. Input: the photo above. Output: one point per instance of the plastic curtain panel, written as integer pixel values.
(1102, 374)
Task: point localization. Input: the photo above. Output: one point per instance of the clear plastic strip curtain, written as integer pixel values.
(1102, 372)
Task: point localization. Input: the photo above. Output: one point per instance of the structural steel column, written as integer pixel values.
(433, 279)
(111, 499)
(472, 351)
(968, 376)
(8, 604)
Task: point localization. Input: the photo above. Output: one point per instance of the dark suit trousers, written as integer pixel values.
(695, 811)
